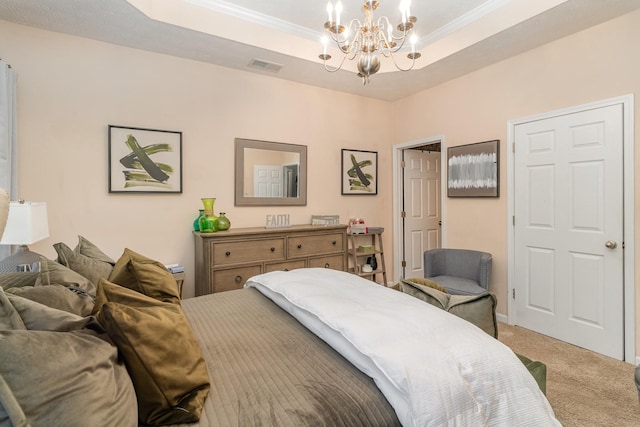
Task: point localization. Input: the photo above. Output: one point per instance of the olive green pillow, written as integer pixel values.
(53, 273)
(160, 350)
(63, 379)
(55, 313)
(477, 309)
(537, 369)
(145, 275)
(86, 248)
(91, 268)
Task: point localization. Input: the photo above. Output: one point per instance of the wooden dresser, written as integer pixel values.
(226, 259)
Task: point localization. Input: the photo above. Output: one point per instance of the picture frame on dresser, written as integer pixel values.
(144, 160)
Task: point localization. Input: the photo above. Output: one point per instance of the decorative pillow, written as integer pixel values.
(161, 353)
(477, 309)
(9, 317)
(57, 296)
(86, 266)
(427, 282)
(144, 275)
(86, 248)
(63, 379)
(53, 273)
(17, 280)
(40, 317)
(537, 369)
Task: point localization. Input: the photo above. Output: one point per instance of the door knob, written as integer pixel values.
(611, 244)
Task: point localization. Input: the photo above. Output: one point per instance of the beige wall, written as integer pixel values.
(592, 65)
(70, 89)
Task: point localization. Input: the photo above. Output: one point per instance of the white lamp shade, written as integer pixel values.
(27, 223)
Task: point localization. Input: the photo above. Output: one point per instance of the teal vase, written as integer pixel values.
(223, 222)
(208, 222)
(196, 223)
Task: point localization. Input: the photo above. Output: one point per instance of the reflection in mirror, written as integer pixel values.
(270, 173)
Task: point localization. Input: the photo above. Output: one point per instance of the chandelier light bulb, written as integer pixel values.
(338, 13)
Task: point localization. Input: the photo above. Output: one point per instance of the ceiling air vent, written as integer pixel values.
(261, 64)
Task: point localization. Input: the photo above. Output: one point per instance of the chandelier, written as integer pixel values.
(366, 40)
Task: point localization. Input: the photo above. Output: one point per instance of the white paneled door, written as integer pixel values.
(569, 228)
(421, 176)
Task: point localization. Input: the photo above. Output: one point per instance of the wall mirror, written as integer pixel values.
(270, 173)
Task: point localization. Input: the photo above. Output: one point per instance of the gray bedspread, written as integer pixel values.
(266, 369)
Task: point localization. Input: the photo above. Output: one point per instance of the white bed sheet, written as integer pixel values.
(434, 368)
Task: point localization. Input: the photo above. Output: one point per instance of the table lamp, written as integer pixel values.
(27, 223)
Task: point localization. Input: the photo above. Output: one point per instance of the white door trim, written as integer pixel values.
(397, 194)
(627, 102)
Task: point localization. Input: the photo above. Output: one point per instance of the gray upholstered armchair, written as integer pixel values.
(459, 271)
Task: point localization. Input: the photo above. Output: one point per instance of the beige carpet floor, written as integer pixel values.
(583, 387)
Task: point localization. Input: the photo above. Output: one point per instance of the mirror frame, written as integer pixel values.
(242, 200)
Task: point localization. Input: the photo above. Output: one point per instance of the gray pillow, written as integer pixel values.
(477, 309)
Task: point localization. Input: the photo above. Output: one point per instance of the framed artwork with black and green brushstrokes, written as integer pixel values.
(144, 160)
(359, 172)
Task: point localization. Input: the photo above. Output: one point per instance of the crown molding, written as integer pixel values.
(258, 18)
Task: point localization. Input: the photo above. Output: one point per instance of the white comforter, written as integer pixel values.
(434, 368)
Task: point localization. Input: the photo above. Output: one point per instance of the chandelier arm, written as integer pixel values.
(390, 43)
(413, 61)
(335, 35)
(333, 70)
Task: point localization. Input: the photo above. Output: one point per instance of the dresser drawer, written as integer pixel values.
(285, 266)
(301, 246)
(233, 278)
(227, 253)
(335, 262)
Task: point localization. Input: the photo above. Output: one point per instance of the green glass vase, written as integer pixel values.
(223, 222)
(196, 223)
(208, 222)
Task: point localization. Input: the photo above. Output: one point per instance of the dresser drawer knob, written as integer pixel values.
(228, 253)
(273, 249)
(286, 269)
(238, 279)
(299, 245)
(334, 243)
(326, 265)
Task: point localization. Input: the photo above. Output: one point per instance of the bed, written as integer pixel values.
(304, 347)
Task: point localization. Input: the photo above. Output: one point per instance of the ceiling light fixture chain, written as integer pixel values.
(365, 40)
